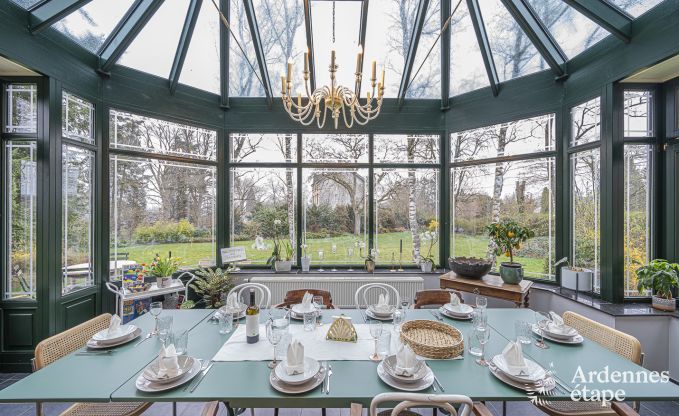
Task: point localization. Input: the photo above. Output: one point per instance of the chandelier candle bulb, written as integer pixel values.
(299, 100)
(306, 62)
(332, 59)
(359, 58)
(382, 78)
(283, 84)
(290, 69)
(374, 71)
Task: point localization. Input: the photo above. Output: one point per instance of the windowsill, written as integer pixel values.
(357, 272)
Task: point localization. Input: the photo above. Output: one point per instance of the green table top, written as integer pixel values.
(245, 384)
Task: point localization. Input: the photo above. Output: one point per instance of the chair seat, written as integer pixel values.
(403, 413)
(106, 409)
(581, 408)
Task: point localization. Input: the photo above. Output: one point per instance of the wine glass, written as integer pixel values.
(318, 304)
(376, 332)
(320, 261)
(274, 335)
(482, 335)
(479, 319)
(542, 319)
(405, 305)
(481, 302)
(155, 310)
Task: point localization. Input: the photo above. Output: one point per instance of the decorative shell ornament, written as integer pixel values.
(342, 330)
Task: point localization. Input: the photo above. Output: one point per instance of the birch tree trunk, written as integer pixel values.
(289, 194)
(498, 183)
(412, 207)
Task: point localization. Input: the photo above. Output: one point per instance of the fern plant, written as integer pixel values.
(211, 284)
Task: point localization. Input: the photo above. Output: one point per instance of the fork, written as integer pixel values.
(149, 335)
(327, 389)
(324, 365)
(435, 315)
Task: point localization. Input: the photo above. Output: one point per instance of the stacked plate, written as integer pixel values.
(312, 377)
(237, 313)
(561, 334)
(461, 311)
(123, 335)
(385, 314)
(297, 311)
(421, 377)
(531, 378)
(149, 381)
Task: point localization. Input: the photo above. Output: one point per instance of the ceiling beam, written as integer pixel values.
(184, 42)
(45, 14)
(445, 56)
(484, 45)
(124, 33)
(531, 24)
(606, 15)
(259, 49)
(361, 39)
(224, 54)
(418, 25)
(310, 44)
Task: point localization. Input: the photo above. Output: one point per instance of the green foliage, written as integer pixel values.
(282, 249)
(211, 284)
(430, 237)
(508, 236)
(165, 232)
(660, 276)
(188, 304)
(163, 267)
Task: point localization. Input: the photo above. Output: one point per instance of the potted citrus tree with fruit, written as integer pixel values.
(508, 235)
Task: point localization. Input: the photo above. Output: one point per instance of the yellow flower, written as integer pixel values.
(506, 253)
(433, 225)
(510, 234)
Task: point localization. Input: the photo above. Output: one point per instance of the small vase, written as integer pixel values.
(164, 281)
(662, 304)
(306, 263)
(426, 266)
(370, 266)
(511, 273)
(283, 266)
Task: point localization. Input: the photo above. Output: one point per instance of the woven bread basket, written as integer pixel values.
(431, 339)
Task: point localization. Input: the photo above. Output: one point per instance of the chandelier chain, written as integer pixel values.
(333, 21)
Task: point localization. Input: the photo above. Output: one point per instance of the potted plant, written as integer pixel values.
(370, 261)
(508, 236)
(575, 278)
(661, 278)
(211, 284)
(163, 269)
(282, 253)
(427, 263)
(306, 258)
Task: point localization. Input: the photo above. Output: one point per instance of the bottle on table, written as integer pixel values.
(252, 320)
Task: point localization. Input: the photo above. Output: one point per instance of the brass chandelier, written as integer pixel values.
(333, 98)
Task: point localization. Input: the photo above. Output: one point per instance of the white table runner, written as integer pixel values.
(315, 345)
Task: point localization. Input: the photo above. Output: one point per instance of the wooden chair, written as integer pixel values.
(433, 297)
(293, 297)
(64, 343)
(613, 340)
(453, 404)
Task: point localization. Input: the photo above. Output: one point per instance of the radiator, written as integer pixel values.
(342, 288)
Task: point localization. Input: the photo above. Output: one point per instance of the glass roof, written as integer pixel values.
(282, 32)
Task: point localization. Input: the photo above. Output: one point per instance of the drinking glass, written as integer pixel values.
(180, 341)
(309, 320)
(398, 319)
(481, 302)
(164, 328)
(542, 319)
(522, 331)
(320, 261)
(376, 332)
(225, 323)
(482, 335)
(318, 304)
(274, 336)
(479, 318)
(405, 305)
(474, 347)
(155, 310)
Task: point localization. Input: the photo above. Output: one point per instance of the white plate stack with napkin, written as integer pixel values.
(382, 309)
(557, 331)
(296, 373)
(232, 306)
(456, 309)
(168, 371)
(116, 334)
(306, 306)
(404, 371)
(516, 370)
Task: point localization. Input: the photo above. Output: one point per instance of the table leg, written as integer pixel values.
(504, 408)
(526, 300)
(174, 408)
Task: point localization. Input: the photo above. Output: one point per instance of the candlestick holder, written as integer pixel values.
(393, 262)
(400, 262)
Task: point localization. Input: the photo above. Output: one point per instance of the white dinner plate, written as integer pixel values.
(123, 332)
(542, 386)
(565, 332)
(311, 368)
(151, 371)
(279, 385)
(578, 339)
(462, 309)
(144, 385)
(419, 372)
(532, 373)
(371, 314)
(447, 313)
(421, 384)
(299, 309)
(96, 345)
(384, 313)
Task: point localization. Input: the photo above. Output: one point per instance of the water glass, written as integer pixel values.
(164, 328)
(479, 318)
(225, 323)
(309, 320)
(473, 345)
(181, 342)
(522, 331)
(481, 302)
(483, 336)
(398, 318)
(384, 343)
(405, 305)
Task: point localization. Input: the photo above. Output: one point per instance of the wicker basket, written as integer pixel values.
(431, 339)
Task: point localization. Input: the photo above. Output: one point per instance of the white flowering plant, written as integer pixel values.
(430, 237)
(282, 249)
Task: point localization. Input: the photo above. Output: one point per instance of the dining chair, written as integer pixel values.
(64, 343)
(262, 292)
(433, 297)
(613, 340)
(377, 288)
(293, 297)
(453, 404)
(210, 409)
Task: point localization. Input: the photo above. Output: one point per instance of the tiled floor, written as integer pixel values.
(194, 409)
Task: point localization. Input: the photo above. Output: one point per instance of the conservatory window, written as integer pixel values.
(638, 118)
(22, 110)
(586, 122)
(77, 118)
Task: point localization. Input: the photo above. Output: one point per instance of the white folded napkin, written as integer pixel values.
(383, 303)
(557, 320)
(513, 355)
(454, 299)
(295, 358)
(232, 303)
(168, 364)
(114, 326)
(306, 302)
(406, 361)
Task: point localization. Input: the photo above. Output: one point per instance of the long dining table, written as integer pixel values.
(243, 384)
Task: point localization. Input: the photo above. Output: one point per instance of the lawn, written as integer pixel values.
(346, 250)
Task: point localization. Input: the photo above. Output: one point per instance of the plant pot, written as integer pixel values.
(164, 281)
(426, 266)
(511, 273)
(577, 280)
(283, 266)
(662, 304)
(306, 263)
(369, 266)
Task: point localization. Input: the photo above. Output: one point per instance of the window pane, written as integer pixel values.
(638, 114)
(336, 215)
(406, 215)
(522, 191)
(585, 206)
(427, 83)
(335, 148)
(637, 213)
(243, 80)
(201, 66)
(161, 207)
(22, 110)
(25, 3)
(255, 147)
(508, 139)
(586, 122)
(260, 197)
(467, 71)
(134, 132)
(636, 7)
(77, 118)
(77, 218)
(406, 148)
(20, 218)
(90, 25)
